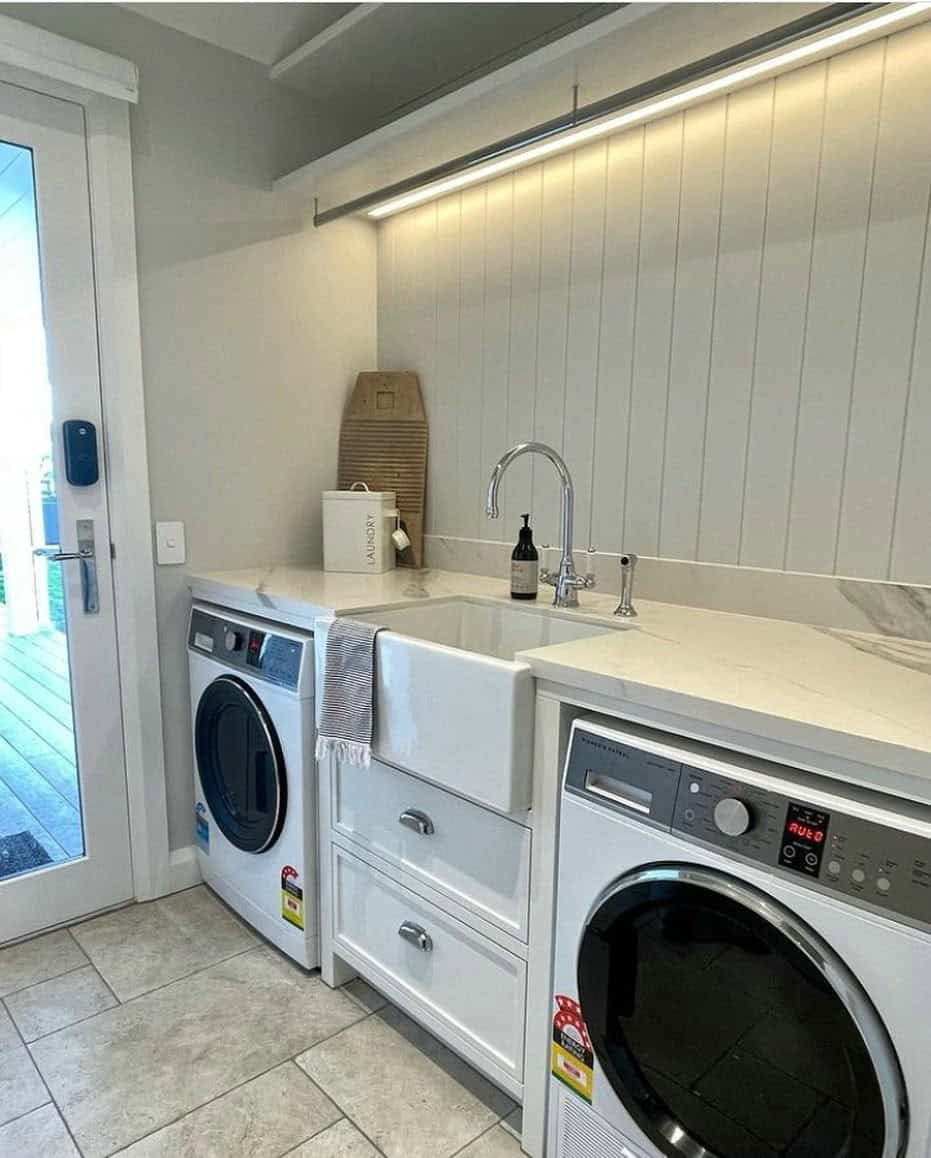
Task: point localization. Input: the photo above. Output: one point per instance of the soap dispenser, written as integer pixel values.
(524, 564)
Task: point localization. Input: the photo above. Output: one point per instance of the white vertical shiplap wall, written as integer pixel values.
(722, 319)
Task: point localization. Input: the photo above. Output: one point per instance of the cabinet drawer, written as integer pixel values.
(476, 857)
(462, 979)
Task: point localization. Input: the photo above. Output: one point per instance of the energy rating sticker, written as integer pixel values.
(572, 1058)
(292, 897)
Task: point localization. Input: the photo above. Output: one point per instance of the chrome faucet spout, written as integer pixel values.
(566, 581)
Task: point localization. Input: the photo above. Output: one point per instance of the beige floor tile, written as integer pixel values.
(135, 1068)
(8, 1035)
(405, 1091)
(38, 960)
(370, 999)
(142, 947)
(52, 1005)
(261, 1119)
(340, 1141)
(40, 1134)
(497, 1143)
(21, 1088)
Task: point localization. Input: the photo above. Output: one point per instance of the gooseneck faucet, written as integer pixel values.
(566, 580)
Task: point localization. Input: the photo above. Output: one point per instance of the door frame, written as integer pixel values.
(47, 58)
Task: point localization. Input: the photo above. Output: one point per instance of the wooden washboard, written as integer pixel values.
(383, 443)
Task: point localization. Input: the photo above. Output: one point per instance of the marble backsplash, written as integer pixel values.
(893, 609)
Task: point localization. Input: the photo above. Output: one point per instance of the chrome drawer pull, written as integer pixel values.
(417, 936)
(418, 821)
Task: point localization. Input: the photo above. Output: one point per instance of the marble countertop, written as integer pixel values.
(860, 703)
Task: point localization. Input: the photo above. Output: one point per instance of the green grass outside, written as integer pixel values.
(56, 598)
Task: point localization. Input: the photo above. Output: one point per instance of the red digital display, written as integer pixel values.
(254, 650)
(805, 832)
(803, 837)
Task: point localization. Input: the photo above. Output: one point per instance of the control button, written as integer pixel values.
(834, 868)
(858, 876)
(732, 816)
(694, 787)
(789, 852)
(883, 884)
(811, 859)
(233, 640)
(689, 814)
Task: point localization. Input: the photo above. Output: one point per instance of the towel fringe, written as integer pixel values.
(346, 751)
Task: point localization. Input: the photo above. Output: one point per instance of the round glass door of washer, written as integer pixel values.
(241, 767)
(730, 1029)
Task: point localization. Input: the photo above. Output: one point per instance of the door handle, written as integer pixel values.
(54, 555)
(86, 554)
(418, 821)
(417, 936)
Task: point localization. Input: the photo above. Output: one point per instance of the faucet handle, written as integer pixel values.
(626, 607)
(590, 566)
(547, 574)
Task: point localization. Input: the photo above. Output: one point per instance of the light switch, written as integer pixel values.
(169, 542)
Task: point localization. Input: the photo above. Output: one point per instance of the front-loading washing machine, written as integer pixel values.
(252, 705)
(742, 958)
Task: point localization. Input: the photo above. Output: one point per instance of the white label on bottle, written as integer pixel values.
(524, 576)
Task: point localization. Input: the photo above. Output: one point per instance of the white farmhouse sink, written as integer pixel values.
(499, 630)
(452, 704)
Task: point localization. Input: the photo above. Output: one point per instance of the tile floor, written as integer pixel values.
(170, 1030)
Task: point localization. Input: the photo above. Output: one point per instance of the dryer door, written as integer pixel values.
(729, 1029)
(240, 763)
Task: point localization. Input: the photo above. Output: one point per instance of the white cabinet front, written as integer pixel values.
(476, 857)
(461, 979)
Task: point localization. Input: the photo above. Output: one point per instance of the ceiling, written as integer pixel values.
(264, 32)
(377, 61)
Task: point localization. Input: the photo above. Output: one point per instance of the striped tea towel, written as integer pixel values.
(346, 714)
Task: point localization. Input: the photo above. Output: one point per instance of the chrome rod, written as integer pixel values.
(785, 35)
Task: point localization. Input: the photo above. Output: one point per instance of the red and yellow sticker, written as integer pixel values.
(572, 1057)
(292, 897)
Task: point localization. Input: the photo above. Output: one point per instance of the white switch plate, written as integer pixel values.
(169, 542)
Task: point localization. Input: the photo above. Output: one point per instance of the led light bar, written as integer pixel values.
(879, 19)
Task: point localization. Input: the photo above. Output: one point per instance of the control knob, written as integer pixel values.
(233, 640)
(732, 816)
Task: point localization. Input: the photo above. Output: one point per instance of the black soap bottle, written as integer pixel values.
(524, 564)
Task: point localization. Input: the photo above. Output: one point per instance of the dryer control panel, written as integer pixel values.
(870, 861)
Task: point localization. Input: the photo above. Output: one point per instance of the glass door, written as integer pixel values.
(64, 843)
(729, 1029)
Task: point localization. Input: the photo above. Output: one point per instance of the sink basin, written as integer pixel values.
(492, 629)
(452, 705)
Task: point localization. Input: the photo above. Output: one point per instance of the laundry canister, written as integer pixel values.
(357, 527)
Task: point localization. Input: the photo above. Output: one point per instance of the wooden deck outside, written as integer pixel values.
(38, 777)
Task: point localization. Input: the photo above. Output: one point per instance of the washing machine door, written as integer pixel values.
(729, 1029)
(241, 767)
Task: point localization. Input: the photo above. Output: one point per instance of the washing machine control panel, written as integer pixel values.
(873, 862)
(264, 654)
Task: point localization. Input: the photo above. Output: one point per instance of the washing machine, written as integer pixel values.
(252, 706)
(742, 962)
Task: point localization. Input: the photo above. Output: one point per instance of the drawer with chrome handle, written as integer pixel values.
(416, 935)
(476, 858)
(418, 954)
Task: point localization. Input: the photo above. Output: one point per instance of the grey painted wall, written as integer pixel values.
(253, 324)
